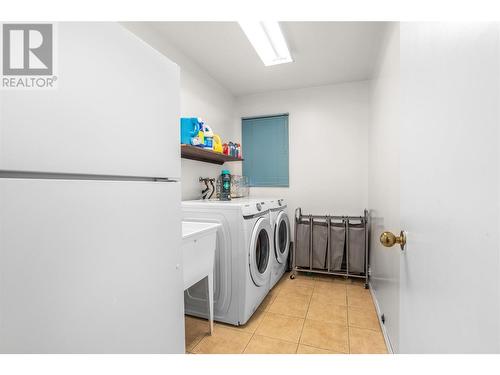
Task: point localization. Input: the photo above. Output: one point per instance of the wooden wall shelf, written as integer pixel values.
(207, 156)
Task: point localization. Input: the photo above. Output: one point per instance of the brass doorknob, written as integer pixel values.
(388, 239)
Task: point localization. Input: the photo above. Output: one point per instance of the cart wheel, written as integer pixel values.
(292, 276)
(366, 286)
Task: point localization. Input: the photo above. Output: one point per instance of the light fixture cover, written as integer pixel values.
(268, 40)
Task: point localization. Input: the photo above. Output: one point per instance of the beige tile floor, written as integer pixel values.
(307, 315)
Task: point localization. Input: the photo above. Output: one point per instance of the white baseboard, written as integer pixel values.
(382, 325)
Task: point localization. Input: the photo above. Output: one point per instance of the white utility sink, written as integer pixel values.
(195, 229)
(198, 252)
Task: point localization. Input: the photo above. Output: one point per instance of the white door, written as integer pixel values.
(436, 175)
(90, 267)
(115, 110)
(449, 172)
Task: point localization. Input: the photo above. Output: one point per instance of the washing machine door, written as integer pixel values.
(282, 237)
(261, 249)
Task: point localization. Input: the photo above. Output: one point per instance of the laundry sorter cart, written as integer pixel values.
(331, 245)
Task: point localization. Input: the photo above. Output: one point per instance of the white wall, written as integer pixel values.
(383, 181)
(201, 96)
(328, 130)
(216, 106)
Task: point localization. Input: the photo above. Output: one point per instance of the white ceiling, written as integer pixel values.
(323, 53)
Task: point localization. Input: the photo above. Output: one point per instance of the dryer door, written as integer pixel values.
(282, 237)
(260, 252)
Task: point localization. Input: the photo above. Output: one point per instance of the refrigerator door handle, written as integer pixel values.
(78, 176)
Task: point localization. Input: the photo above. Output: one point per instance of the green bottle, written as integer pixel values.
(225, 193)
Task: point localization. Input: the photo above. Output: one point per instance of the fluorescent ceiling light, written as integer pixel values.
(268, 41)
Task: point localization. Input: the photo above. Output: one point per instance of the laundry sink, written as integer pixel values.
(198, 252)
(198, 249)
(195, 229)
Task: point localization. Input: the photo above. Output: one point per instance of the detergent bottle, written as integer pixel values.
(190, 127)
(199, 138)
(231, 149)
(217, 144)
(208, 135)
(225, 192)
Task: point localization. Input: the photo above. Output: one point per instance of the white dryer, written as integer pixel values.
(243, 258)
(280, 225)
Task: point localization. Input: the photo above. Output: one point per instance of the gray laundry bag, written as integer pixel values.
(337, 246)
(303, 233)
(320, 245)
(356, 258)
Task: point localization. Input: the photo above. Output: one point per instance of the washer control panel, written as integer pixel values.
(254, 208)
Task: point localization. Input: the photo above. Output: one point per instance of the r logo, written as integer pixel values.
(27, 49)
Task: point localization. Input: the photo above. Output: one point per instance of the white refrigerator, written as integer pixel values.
(90, 213)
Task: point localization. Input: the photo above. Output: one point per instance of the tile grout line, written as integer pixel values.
(278, 339)
(347, 316)
(264, 313)
(245, 348)
(201, 339)
(348, 324)
(298, 343)
(199, 342)
(305, 317)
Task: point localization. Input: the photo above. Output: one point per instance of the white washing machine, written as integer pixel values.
(243, 258)
(280, 225)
